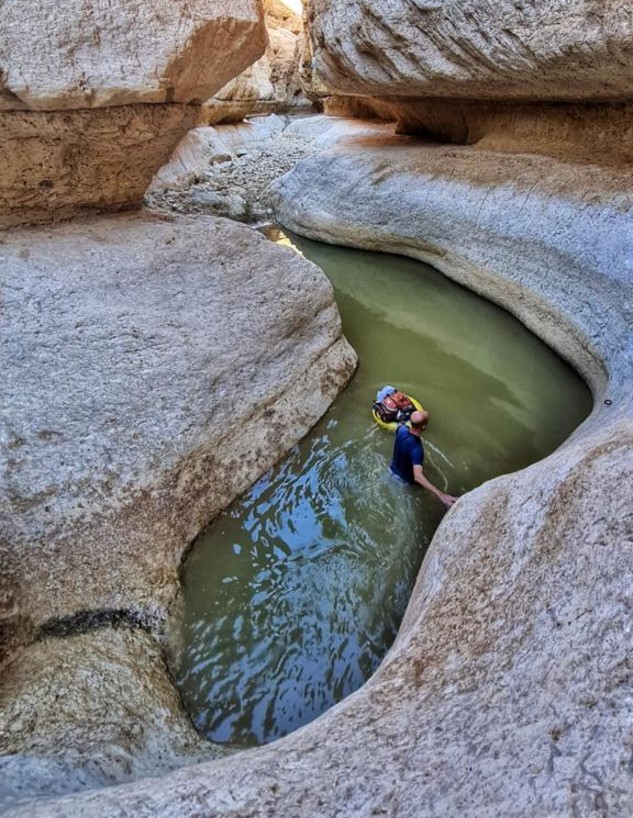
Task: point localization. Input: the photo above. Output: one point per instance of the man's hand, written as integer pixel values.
(422, 480)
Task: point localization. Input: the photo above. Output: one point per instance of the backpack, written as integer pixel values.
(394, 408)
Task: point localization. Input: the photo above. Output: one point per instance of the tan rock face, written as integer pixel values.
(581, 133)
(95, 97)
(62, 164)
(105, 55)
(272, 84)
(471, 49)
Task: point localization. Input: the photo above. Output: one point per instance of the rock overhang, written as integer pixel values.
(95, 56)
(471, 50)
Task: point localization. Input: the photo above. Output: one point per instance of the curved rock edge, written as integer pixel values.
(505, 692)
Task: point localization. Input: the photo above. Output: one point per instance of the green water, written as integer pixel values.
(295, 593)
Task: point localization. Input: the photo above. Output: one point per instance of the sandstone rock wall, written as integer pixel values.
(94, 99)
(560, 50)
(507, 691)
(154, 368)
(272, 84)
(580, 132)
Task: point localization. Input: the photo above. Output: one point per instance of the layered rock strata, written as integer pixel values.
(507, 691)
(94, 99)
(154, 368)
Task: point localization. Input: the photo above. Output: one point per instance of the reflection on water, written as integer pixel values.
(295, 593)
(302, 593)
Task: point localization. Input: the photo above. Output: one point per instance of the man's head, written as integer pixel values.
(419, 420)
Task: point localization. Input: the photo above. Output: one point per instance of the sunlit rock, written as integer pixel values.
(95, 96)
(155, 367)
(95, 55)
(272, 84)
(469, 49)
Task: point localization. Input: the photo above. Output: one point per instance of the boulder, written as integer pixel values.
(96, 55)
(155, 367)
(94, 99)
(91, 710)
(560, 50)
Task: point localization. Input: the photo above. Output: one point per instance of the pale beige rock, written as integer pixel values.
(89, 711)
(59, 165)
(154, 368)
(559, 50)
(580, 133)
(265, 147)
(272, 84)
(204, 147)
(508, 689)
(92, 55)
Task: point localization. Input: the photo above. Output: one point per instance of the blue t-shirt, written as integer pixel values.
(407, 453)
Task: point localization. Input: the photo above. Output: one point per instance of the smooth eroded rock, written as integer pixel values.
(90, 55)
(88, 711)
(507, 691)
(155, 367)
(530, 50)
(64, 164)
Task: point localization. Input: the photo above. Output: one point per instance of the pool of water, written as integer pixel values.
(294, 594)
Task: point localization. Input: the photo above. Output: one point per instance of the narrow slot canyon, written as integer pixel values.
(216, 599)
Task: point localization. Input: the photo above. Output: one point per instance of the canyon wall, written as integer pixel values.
(272, 84)
(93, 100)
(153, 368)
(469, 49)
(508, 689)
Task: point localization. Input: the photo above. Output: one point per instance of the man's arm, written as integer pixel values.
(422, 480)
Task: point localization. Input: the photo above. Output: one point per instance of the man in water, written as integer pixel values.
(408, 456)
